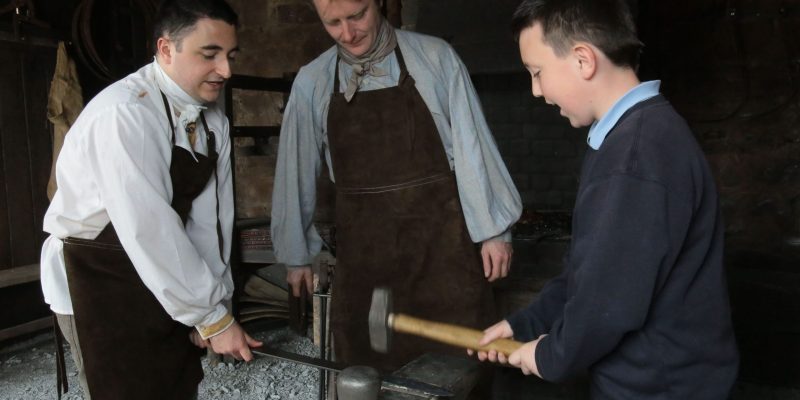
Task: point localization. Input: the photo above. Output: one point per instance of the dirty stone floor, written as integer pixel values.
(27, 372)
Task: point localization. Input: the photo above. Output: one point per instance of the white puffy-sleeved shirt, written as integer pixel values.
(114, 167)
(488, 196)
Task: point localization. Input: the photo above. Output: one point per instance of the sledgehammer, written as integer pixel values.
(383, 321)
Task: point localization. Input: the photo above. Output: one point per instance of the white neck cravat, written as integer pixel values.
(185, 109)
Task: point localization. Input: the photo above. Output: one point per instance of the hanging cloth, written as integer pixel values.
(64, 104)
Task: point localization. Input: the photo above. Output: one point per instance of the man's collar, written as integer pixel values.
(170, 88)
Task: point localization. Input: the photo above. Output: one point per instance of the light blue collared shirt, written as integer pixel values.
(601, 127)
(489, 199)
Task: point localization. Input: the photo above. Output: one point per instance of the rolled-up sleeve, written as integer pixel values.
(131, 167)
(490, 201)
(202, 223)
(294, 237)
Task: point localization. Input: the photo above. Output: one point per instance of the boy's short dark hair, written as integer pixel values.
(175, 17)
(607, 24)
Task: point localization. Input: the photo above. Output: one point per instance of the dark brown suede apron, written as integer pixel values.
(399, 224)
(131, 347)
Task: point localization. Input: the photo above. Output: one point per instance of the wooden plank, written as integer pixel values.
(20, 203)
(9, 81)
(249, 82)
(22, 303)
(25, 146)
(9, 37)
(18, 275)
(40, 69)
(256, 131)
(28, 327)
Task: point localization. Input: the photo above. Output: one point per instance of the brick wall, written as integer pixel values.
(276, 38)
(541, 150)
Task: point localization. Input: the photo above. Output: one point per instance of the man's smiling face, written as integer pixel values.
(200, 61)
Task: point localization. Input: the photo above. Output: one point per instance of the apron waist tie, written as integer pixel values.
(389, 188)
(61, 368)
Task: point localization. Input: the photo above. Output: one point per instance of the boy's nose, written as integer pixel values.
(536, 89)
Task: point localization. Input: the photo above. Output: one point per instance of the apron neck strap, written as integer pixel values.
(169, 116)
(210, 139)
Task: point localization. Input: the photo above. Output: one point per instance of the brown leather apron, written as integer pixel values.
(131, 347)
(399, 224)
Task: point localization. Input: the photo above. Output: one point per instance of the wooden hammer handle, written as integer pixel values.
(451, 334)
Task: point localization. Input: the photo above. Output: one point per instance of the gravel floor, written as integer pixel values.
(27, 371)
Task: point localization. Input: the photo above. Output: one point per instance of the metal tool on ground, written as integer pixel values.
(322, 267)
(388, 382)
(383, 321)
(358, 383)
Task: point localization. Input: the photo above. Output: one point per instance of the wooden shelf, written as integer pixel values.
(28, 327)
(19, 275)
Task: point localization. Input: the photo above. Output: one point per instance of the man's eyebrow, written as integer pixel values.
(216, 47)
(355, 14)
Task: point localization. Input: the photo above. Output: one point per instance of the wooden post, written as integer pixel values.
(392, 9)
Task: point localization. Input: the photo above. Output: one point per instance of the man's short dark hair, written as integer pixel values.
(606, 24)
(176, 18)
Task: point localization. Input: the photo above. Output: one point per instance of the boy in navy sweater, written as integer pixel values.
(642, 303)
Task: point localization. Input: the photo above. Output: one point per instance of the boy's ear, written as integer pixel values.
(585, 56)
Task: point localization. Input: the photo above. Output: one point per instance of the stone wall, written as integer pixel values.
(541, 150)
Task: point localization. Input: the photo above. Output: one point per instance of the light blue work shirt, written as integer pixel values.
(490, 202)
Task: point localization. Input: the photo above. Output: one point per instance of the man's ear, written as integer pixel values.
(586, 57)
(163, 49)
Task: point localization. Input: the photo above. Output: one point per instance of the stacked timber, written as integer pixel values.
(263, 300)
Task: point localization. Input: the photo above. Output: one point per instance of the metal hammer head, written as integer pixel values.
(380, 331)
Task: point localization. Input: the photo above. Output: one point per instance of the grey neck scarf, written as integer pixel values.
(384, 44)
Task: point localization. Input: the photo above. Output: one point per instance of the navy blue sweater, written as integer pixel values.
(642, 303)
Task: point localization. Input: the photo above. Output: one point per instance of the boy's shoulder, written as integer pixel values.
(656, 122)
(650, 140)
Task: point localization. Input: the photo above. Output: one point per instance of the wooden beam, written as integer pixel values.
(19, 275)
(393, 12)
(28, 327)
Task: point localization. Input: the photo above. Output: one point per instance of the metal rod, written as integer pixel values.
(323, 348)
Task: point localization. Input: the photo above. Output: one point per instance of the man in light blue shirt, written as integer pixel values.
(373, 61)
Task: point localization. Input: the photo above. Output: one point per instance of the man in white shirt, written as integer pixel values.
(141, 223)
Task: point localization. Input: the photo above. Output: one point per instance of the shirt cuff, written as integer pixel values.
(214, 329)
(521, 326)
(505, 237)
